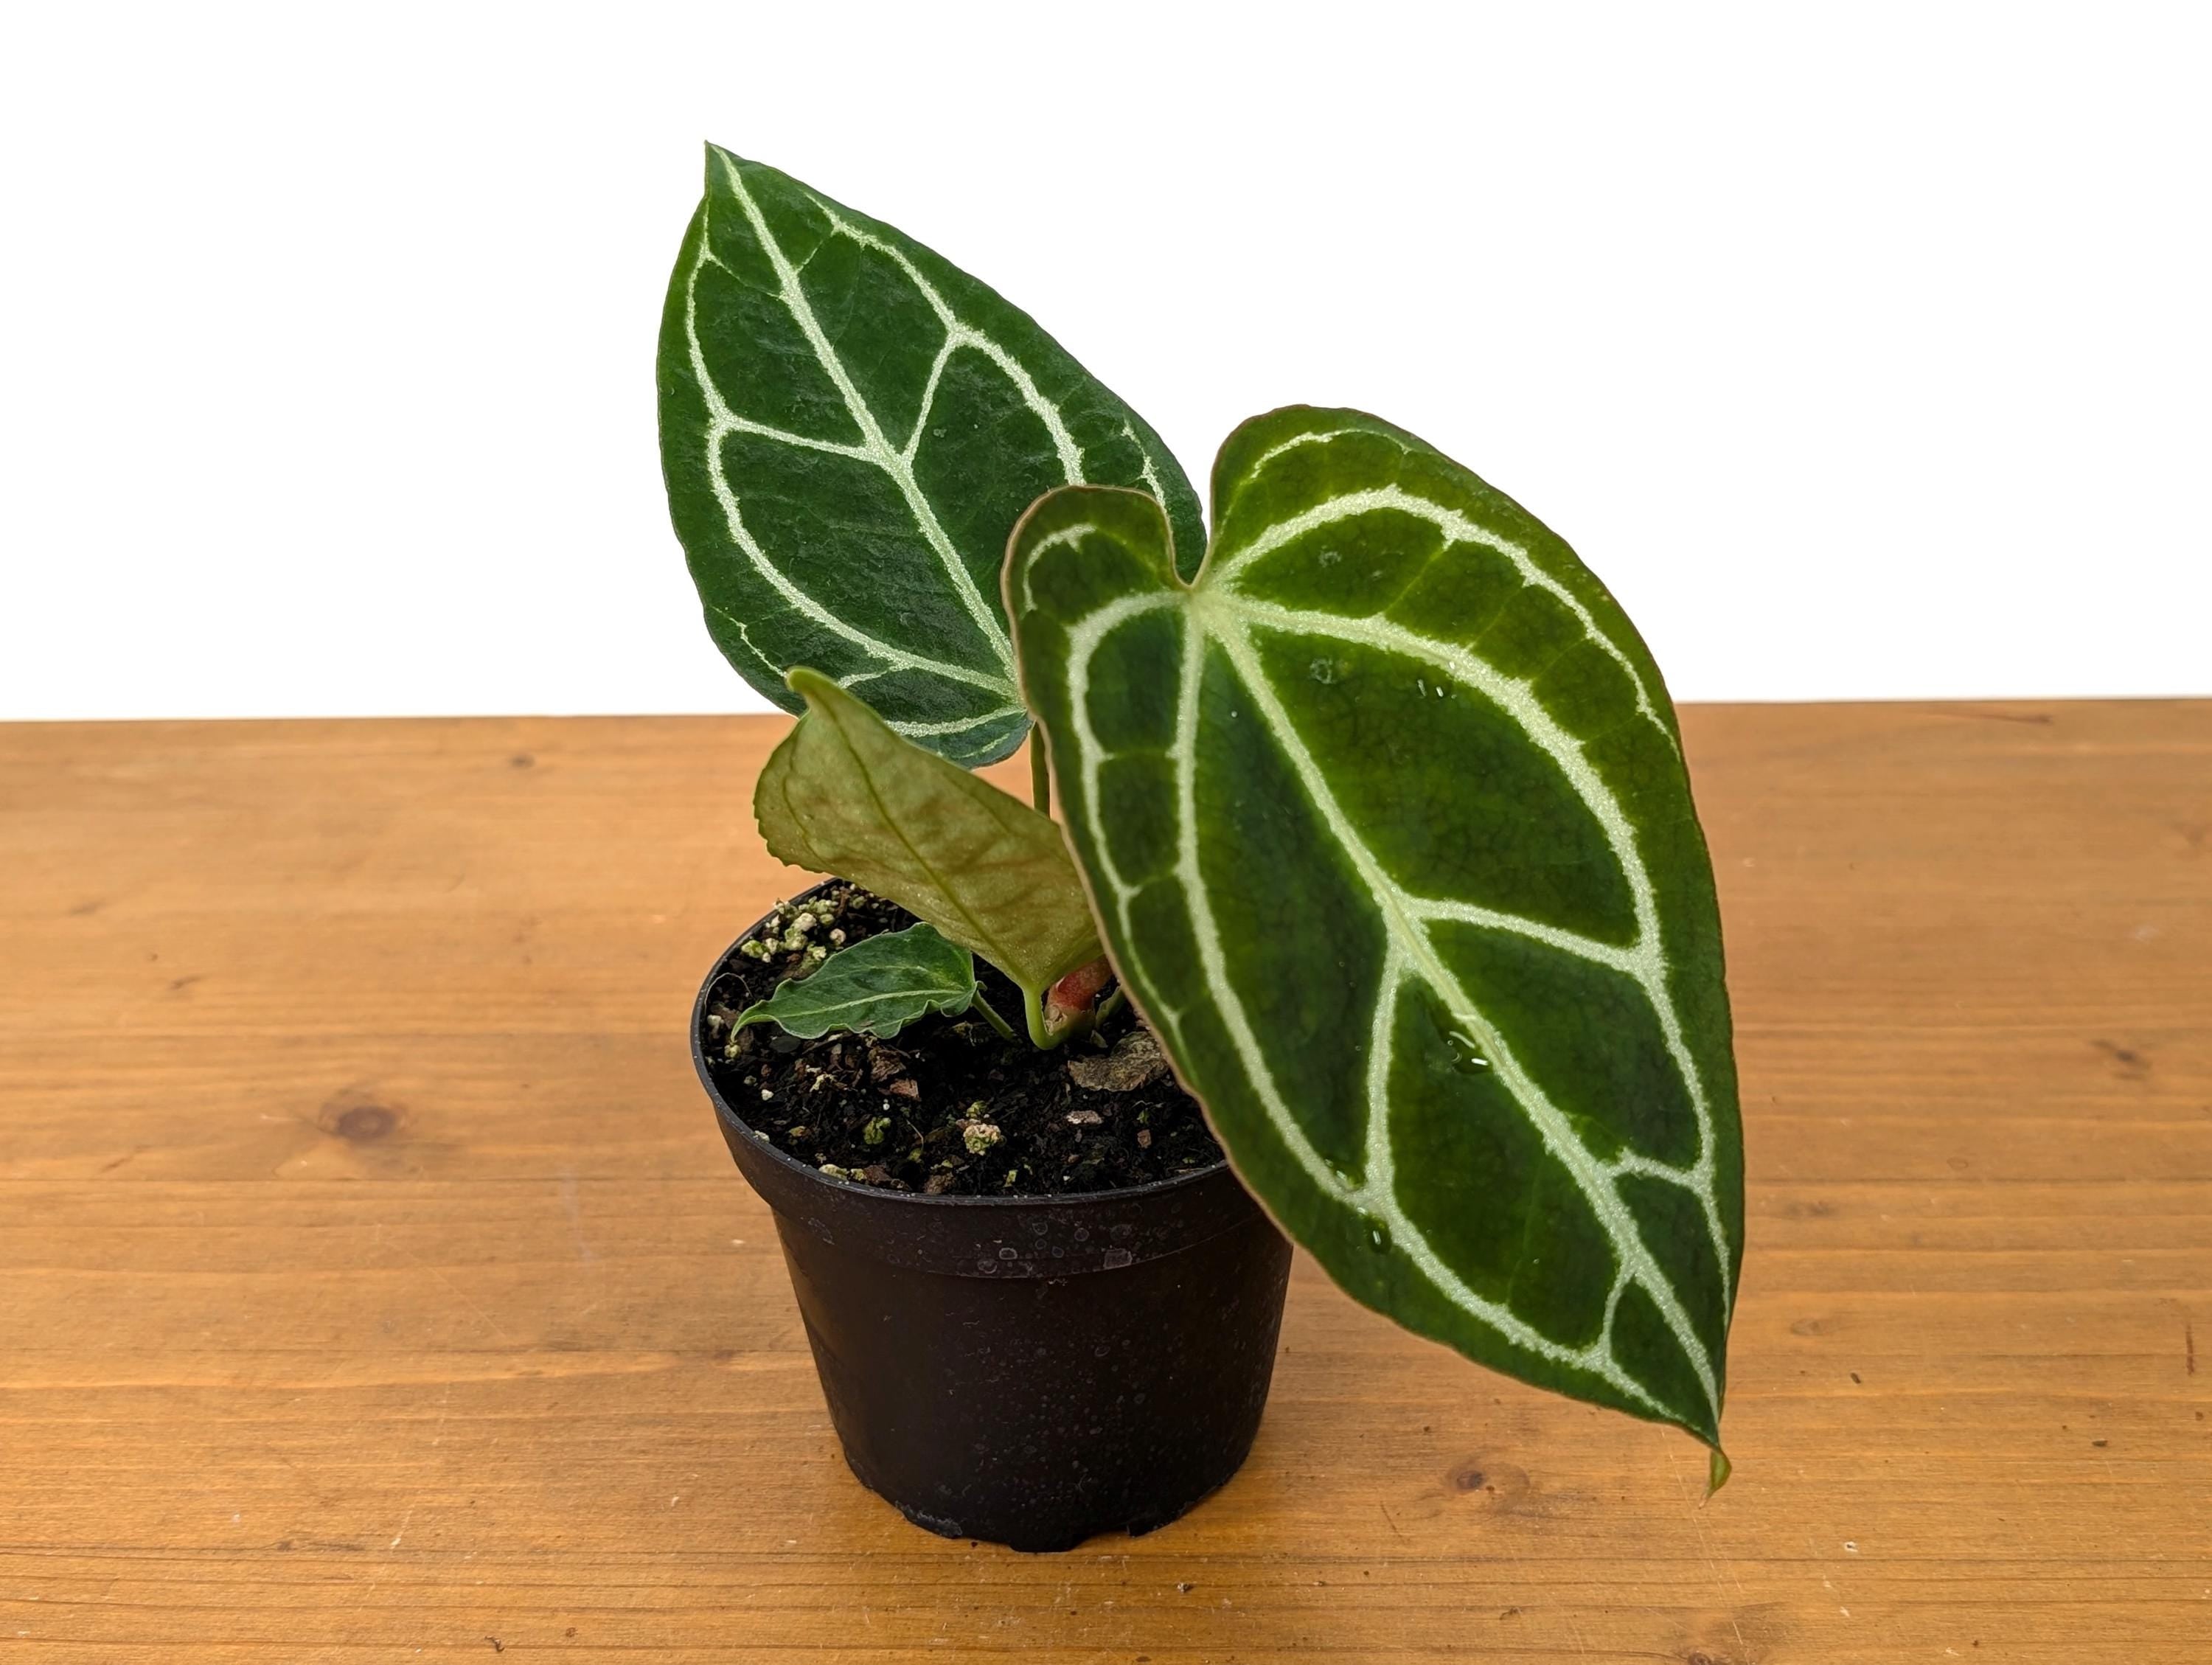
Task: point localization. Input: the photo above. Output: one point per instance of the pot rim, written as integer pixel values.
(914, 1199)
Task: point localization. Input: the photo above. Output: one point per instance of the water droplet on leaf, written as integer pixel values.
(1378, 1235)
(1466, 1053)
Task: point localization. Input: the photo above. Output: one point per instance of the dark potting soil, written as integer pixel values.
(947, 1106)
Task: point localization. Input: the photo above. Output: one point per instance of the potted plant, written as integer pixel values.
(1376, 842)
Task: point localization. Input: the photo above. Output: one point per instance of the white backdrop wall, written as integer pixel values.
(1863, 351)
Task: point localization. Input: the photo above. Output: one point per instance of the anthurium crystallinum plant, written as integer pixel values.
(1376, 833)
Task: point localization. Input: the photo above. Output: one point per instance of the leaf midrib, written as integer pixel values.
(883, 997)
(724, 420)
(1411, 938)
(892, 462)
(995, 954)
(1644, 960)
(1217, 612)
(1597, 1358)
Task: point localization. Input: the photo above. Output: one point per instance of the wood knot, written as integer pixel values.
(359, 1121)
(2129, 1063)
(366, 1122)
(1489, 1483)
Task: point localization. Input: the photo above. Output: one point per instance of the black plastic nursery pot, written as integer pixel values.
(1030, 1370)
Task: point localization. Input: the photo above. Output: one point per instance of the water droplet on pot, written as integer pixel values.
(1009, 1253)
(1113, 1259)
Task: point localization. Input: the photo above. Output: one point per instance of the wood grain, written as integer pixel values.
(373, 1285)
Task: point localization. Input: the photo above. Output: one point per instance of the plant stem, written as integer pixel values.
(1005, 1029)
(1033, 1009)
(1043, 1037)
(1040, 777)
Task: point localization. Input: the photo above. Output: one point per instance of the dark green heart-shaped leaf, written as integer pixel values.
(843, 794)
(1387, 824)
(880, 985)
(849, 428)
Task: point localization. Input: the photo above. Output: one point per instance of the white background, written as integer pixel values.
(1862, 350)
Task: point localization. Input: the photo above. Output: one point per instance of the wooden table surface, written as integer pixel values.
(374, 1283)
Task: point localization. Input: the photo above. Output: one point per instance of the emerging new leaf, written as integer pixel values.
(843, 794)
(849, 428)
(880, 985)
(1388, 828)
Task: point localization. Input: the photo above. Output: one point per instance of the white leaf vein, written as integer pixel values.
(957, 334)
(1409, 934)
(877, 447)
(723, 419)
(1374, 1195)
(1215, 613)
(1644, 960)
(1456, 528)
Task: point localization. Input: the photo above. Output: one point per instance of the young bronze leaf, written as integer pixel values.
(843, 794)
(849, 428)
(1388, 828)
(880, 986)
